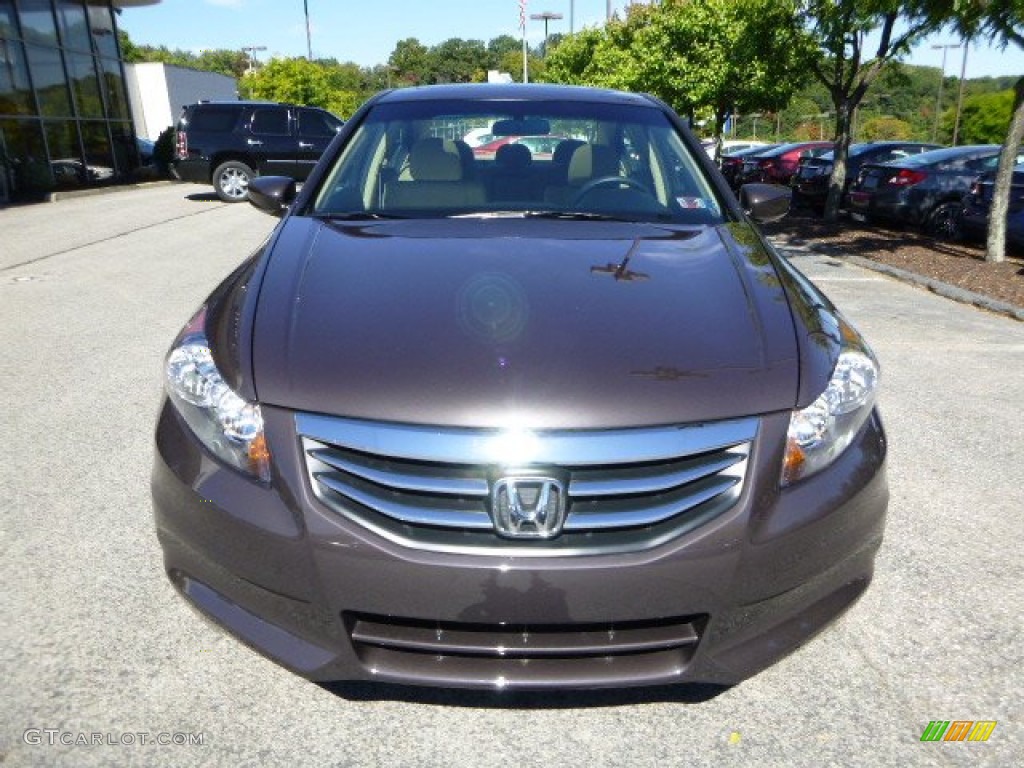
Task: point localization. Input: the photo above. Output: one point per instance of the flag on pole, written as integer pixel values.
(522, 15)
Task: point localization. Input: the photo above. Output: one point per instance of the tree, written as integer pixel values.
(411, 62)
(129, 51)
(726, 55)
(296, 81)
(460, 61)
(841, 28)
(885, 129)
(1002, 22)
(572, 61)
(500, 47)
(226, 62)
(984, 119)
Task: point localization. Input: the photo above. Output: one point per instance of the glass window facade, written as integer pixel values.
(64, 113)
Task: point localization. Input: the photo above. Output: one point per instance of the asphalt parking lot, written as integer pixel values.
(96, 643)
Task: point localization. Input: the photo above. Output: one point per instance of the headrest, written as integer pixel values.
(513, 156)
(592, 161)
(431, 160)
(563, 151)
(464, 152)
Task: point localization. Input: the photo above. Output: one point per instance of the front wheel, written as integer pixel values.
(944, 221)
(231, 181)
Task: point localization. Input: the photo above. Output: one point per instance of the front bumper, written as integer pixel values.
(332, 600)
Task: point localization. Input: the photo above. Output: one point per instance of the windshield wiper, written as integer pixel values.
(574, 216)
(359, 216)
(489, 215)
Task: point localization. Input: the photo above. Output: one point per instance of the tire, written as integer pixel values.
(943, 223)
(231, 181)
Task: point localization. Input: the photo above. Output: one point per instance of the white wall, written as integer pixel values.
(157, 93)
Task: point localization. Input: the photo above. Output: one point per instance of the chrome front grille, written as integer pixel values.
(430, 487)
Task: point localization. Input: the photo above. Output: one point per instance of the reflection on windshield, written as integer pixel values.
(579, 161)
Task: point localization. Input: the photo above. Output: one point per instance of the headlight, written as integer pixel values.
(228, 425)
(819, 433)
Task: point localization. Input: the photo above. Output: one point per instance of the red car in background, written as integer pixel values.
(732, 165)
(541, 147)
(488, 150)
(777, 165)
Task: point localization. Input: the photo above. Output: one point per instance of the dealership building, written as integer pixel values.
(65, 120)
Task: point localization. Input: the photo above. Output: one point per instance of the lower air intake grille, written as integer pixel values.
(502, 655)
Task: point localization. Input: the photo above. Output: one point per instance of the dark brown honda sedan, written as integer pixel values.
(555, 420)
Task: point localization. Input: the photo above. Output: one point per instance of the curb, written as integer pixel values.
(56, 197)
(935, 286)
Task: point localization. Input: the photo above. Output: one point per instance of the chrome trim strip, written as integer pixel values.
(506, 549)
(505, 644)
(630, 517)
(649, 481)
(417, 515)
(406, 481)
(523, 447)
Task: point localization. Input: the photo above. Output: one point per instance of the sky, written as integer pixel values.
(366, 32)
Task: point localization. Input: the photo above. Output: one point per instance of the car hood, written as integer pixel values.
(531, 323)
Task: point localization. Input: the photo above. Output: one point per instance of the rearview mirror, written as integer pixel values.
(530, 126)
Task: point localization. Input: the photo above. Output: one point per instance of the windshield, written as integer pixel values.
(575, 159)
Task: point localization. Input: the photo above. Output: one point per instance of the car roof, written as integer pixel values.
(243, 103)
(751, 151)
(948, 153)
(860, 149)
(781, 149)
(857, 149)
(514, 92)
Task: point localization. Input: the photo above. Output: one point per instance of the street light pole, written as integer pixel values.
(942, 76)
(522, 28)
(546, 16)
(251, 50)
(309, 39)
(960, 95)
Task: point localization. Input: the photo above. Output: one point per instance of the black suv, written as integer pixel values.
(226, 143)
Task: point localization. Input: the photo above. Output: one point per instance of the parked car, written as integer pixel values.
(924, 189)
(489, 149)
(732, 146)
(71, 172)
(598, 435)
(810, 182)
(977, 202)
(541, 147)
(731, 165)
(777, 165)
(227, 143)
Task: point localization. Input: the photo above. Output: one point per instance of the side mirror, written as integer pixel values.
(272, 194)
(764, 203)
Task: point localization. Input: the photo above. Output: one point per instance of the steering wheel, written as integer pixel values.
(605, 181)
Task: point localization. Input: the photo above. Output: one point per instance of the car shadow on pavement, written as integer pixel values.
(692, 693)
(203, 197)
